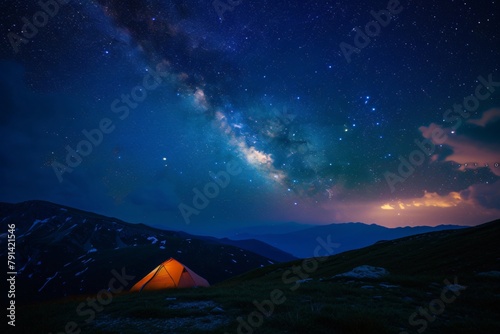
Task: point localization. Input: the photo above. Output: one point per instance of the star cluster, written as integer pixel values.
(267, 86)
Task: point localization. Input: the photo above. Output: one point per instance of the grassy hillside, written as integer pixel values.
(321, 303)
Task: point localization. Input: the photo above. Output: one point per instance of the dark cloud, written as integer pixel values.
(486, 195)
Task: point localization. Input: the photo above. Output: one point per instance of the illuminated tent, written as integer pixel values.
(170, 274)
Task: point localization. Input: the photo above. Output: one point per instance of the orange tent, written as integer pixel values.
(170, 274)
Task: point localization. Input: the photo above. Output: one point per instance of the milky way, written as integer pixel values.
(320, 138)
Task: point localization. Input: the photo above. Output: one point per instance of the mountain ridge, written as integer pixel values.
(62, 251)
(347, 236)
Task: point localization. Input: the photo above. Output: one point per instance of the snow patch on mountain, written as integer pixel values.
(48, 280)
(36, 222)
(81, 272)
(27, 262)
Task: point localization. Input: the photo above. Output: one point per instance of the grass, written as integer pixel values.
(317, 307)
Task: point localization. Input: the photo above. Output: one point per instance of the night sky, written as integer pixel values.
(125, 107)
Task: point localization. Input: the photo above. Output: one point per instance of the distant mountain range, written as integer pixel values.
(347, 236)
(269, 228)
(255, 246)
(469, 252)
(62, 251)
